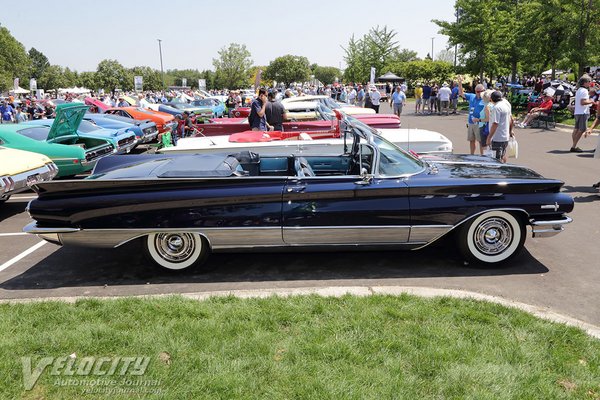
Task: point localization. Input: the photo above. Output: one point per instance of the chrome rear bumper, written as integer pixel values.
(549, 228)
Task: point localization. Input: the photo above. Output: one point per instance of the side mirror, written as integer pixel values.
(366, 178)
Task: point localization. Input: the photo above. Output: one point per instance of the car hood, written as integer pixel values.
(466, 166)
(68, 118)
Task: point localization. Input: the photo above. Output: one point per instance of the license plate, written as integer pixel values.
(33, 179)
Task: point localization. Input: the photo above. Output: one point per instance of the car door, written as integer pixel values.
(345, 209)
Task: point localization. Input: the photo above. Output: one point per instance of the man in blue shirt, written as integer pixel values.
(426, 96)
(257, 118)
(475, 107)
(6, 112)
(454, 98)
(398, 100)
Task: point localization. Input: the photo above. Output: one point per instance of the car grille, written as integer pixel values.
(150, 130)
(91, 155)
(126, 142)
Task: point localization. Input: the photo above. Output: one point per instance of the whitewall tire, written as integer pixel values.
(492, 238)
(176, 251)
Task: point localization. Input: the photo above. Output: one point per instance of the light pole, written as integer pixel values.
(432, 48)
(162, 73)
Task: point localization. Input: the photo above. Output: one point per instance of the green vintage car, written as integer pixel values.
(71, 153)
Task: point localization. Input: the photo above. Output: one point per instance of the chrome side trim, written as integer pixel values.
(548, 228)
(428, 233)
(334, 235)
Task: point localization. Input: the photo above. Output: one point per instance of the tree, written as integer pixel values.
(326, 74)
(446, 55)
(231, 68)
(375, 49)
(87, 80)
(426, 70)
(53, 78)
(288, 69)
(39, 62)
(111, 75)
(14, 61)
(151, 77)
(479, 51)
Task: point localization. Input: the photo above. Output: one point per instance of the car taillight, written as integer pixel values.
(9, 183)
(75, 161)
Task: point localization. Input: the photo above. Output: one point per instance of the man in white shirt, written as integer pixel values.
(444, 94)
(375, 98)
(582, 111)
(501, 124)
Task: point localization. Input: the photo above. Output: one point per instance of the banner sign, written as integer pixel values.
(138, 83)
(183, 81)
(202, 84)
(32, 84)
(372, 80)
(16, 84)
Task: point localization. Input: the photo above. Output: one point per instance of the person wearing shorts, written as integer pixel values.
(582, 111)
(475, 107)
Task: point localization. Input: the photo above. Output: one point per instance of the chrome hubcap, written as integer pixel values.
(493, 236)
(175, 247)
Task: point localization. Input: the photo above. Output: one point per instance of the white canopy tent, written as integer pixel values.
(19, 90)
(74, 90)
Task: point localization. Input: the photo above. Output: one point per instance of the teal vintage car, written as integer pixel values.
(73, 154)
(217, 107)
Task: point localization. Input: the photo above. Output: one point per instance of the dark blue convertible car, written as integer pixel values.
(367, 193)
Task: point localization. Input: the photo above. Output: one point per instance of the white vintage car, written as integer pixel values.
(419, 141)
(19, 169)
(330, 103)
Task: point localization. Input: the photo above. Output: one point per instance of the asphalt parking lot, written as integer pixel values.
(561, 273)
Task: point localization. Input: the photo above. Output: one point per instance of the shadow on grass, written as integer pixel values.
(76, 267)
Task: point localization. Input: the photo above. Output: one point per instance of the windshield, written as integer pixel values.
(393, 161)
(87, 126)
(37, 133)
(203, 102)
(329, 102)
(145, 111)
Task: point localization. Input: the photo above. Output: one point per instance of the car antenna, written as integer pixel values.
(203, 135)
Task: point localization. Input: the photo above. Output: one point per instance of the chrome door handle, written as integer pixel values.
(296, 189)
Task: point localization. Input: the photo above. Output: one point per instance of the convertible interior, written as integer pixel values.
(303, 166)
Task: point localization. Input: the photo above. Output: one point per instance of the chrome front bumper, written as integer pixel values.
(548, 228)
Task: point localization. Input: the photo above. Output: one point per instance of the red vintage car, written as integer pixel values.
(227, 126)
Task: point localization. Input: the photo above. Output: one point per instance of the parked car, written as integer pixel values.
(73, 154)
(182, 207)
(19, 169)
(145, 131)
(415, 140)
(318, 118)
(202, 112)
(217, 107)
(330, 103)
(163, 121)
(123, 140)
(165, 109)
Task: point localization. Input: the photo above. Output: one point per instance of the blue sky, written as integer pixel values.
(79, 34)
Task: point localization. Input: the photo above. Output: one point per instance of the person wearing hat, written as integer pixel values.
(501, 124)
(398, 101)
(475, 107)
(582, 111)
(375, 98)
(542, 109)
(6, 112)
(444, 94)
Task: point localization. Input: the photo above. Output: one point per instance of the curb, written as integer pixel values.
(540, 312)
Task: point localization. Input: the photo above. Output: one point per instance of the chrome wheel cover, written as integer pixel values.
(175, 247)
(493, 236)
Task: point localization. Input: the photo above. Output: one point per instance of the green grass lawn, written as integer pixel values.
(376, 347)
